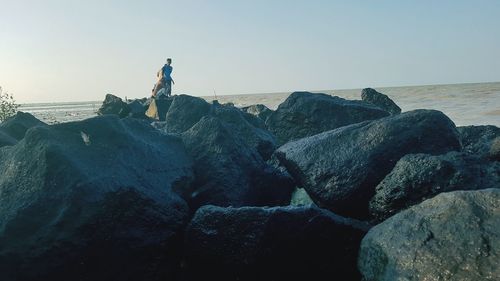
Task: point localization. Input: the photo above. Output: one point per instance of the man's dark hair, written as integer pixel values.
(169, 60)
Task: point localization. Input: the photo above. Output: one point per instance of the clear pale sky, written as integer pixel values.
(80, 50)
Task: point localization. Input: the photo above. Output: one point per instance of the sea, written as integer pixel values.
(465, 104)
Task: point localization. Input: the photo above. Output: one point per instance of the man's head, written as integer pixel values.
(169, 61)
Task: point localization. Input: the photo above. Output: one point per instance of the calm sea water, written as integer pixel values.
(465, 104)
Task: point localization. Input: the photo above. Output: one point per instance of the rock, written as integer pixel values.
(250, 129)
(158, 108)
(138, 108)
(92, 200)
(6, 139)
(301, 198)
(114, 105)
(478, 139)
(341, 168)
(453, 236)
(417, 177)
(281, 243)
(259, 110)
(17, 125)
(184, 112)
(383, 101)
(228, 170)
(305, 114)
(495, 149)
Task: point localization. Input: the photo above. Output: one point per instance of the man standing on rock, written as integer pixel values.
(165, 81)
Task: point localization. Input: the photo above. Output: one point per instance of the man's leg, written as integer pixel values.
(168, 87)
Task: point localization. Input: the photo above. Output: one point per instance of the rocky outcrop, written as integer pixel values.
(17, 125)
(383, 101)
(417, 177)
(114, 105)
(341, 168)
(92, 200)
(228, 168)
(305, 114)
(453, 236)
(478, 139)
(259, 110)
(281, 243)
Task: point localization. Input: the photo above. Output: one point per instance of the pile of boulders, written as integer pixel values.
(184, 189)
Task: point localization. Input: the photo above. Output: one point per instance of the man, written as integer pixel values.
(165, 81)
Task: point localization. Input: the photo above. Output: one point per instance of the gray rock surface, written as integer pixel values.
(114, 105)
(281, 243)
(259, 110)
(184, 112)
(6, 140)
(417, 177)
(478, 139)
(341, 168)
(495, 149)
(383, 101)
(305, 114)
(453, 236)
(17, 125)
(229, 170)
(92, 200)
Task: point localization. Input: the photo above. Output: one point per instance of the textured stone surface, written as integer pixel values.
(281, 243)
(453, 236)
(305, 114)
(341, 168)
(383, 101)
(92, 200)
(417, 177)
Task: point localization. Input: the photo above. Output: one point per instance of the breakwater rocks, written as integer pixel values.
(183, 189)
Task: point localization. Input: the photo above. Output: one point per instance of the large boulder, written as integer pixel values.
(417, 177)
(305, 114)
(185, 111)
(453, 236)
(228, 170)
(383, 101)
(259, 110)
(114, 105)
(17, 125)
(92, 200)
(138, 107)
(341, 168)
(478, 139)
(281, 243)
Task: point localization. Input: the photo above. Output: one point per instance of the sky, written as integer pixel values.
(54, 51)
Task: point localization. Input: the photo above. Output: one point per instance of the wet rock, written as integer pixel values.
(92, 200)
(281, 243)
(114, 105)
(17, 125)
(305, 114)
(453, 236)
(417, 177)
(383, 101)
(341, 168)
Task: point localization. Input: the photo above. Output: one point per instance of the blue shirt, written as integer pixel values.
(167, 70)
